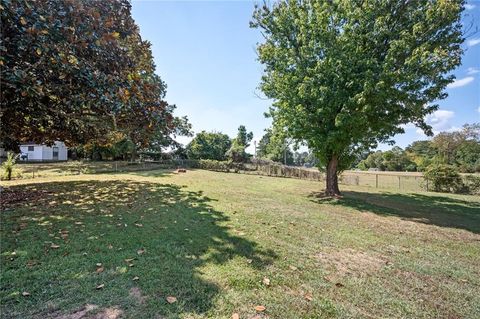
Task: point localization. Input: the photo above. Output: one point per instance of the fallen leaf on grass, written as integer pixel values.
(266, 281)
(135, 278)
(129, 260)
(249, 261)
(171, 299)
(292, 267)
(141, 251)
(235, 316)
(100, 269)
(308, 297)
(100, 286)
(25, 294)
(260, 308)
(139, 225)
(53, 246)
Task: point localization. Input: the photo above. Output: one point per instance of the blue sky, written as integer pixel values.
(205, 52)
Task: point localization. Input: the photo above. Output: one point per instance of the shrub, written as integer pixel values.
(444, 178)
(472, 182)
(214, 165)
(9, 165)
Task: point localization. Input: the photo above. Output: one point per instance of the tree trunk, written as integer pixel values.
(332, 177)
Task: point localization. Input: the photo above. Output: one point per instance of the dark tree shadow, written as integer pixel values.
(161, 233)
(432, 209)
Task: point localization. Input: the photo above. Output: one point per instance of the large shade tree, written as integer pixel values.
(345, 75)
(77, 71)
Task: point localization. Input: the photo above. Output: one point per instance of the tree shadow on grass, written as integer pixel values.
(166, 236)
(443, 211)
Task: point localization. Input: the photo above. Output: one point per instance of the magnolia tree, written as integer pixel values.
(345, 75)
(78, 71)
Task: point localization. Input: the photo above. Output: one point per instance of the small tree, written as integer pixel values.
(237, 151)
(209, 145)
(9, 165)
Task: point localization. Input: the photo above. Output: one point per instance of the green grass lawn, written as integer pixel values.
(225, 243)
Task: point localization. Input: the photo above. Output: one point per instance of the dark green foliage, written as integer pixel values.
(209, 145)
(159, 140)
(460, 149)
(444, 178)
(393, 160)
(243, 138)
(472, 182)
(77, 71)
(237, 151)
(274, 146)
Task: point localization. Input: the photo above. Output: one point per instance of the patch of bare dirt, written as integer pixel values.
(87, 312)
(108, 313)
(351, 262)
(80, 313)
(136, 294)
(416, 228)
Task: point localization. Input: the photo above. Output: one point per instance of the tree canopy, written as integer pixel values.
(78, 71)
(345, 75)
(209, 145)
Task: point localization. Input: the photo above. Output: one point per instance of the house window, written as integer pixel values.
(31, 148)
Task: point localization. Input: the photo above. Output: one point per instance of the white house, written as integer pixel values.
(41, 152)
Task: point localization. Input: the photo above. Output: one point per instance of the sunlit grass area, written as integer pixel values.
(155, 244)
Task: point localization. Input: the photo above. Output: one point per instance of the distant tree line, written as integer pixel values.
(218, 146)
(460, 149)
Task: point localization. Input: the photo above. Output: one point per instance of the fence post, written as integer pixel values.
(376, 180)
(399, 186)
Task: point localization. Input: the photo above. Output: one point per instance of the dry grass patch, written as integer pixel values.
(349, 261)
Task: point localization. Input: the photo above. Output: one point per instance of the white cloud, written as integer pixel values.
(473, 70)
(460, 82)
(440, 121)
(473, 42)
(469, 6)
